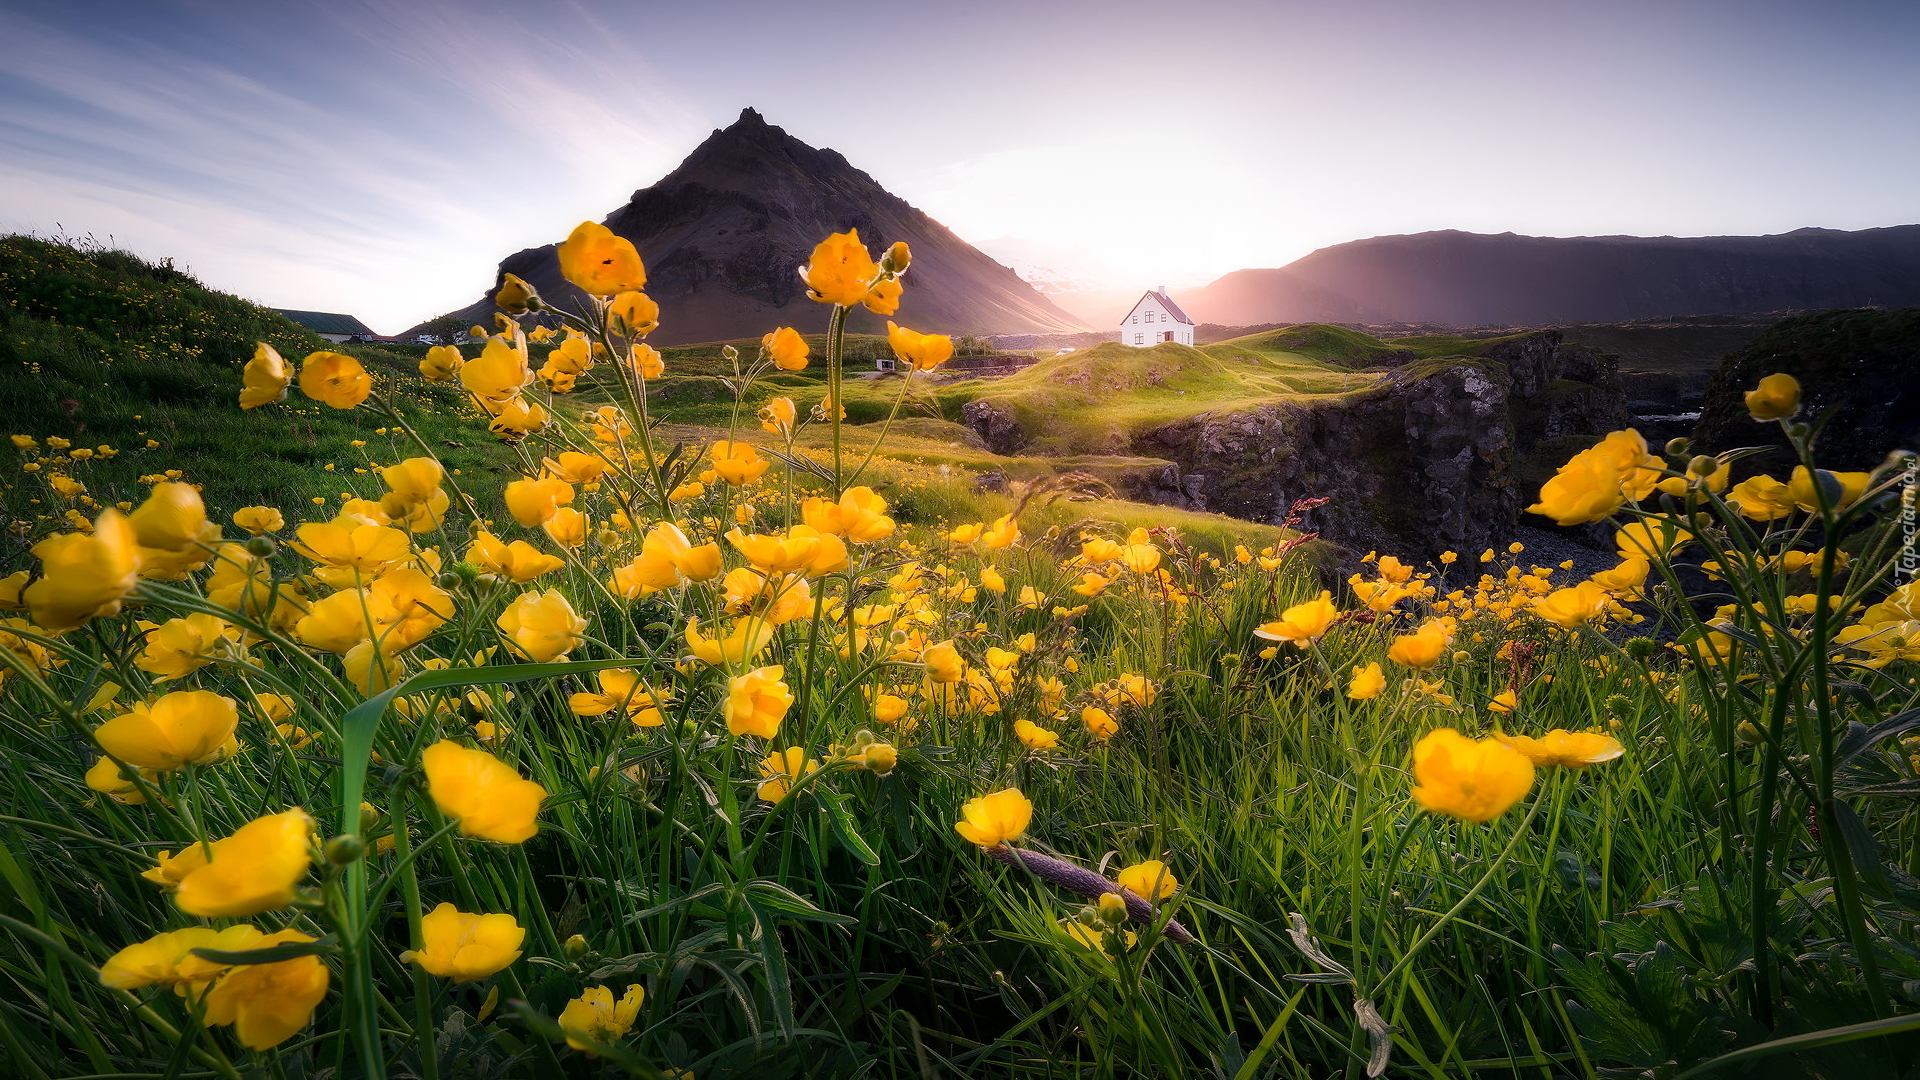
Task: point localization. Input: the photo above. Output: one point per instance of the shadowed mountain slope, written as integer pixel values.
(1471, 279)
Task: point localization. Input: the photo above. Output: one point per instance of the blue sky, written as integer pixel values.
(380, 158)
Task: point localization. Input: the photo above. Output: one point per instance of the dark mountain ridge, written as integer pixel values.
(723, 234)
(1453, 278)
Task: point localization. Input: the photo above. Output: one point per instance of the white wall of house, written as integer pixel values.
(1150, 323)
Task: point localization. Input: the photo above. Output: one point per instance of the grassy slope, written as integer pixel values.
(102, 348)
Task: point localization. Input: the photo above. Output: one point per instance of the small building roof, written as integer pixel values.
(326, 322)
(1165, 301)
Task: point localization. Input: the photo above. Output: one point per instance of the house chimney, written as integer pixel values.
(1161, 289)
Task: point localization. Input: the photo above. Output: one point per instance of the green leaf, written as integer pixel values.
(1872, 1029)
(778, 898)
(841, 820)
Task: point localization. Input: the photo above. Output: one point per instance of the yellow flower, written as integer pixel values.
(621, 688)
(491, 800)
(267, 1004)
(1801, 488)
(167, 959)
(788, 349)
(780, 769)
(84, 576)
(737, 463)
(1472, 780)
(1034, 737)
(599, 262)
(1761, 498)
(840, 272)
(1100, 723)
(518, 562)
(777, 416)
(1504, 702)
(567, 527)
(944, 663)
(1776, 398)
(414, 480)
(186, 727)
(1624, 579)
(371, 668)
(1655, 538)
(462, 947)
(1570, 749)
(1001, 534)
(532, 501)
(254, 870)
(1367, 682)
(173, 532)
(1150, 880)
(744, 640)
(1575, 606)
(757, 702)
(265, 378)
(441, 364)
(107, 778)
(542, 626)
(369, 549)
(594, 1017)
(995, 819)
(860, 516)
(1302, 624)
(647, 361)
(515, 295)
(259, 519)
(884, 297)
(335, 379)
(497, 375)
(182, 646)
(634, 314)
(887, 708)
(923, 352)
(1423, 648)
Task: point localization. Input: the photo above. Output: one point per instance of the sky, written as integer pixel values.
(380, 158)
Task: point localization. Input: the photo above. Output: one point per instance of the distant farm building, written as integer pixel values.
(1156, 318)
(335, 328)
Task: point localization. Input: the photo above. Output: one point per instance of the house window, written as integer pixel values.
(1139, 339)
(1135, 320)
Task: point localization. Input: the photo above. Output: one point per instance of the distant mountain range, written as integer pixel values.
(723, 235)
(1472, 279)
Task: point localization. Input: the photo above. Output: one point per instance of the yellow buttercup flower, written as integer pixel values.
(515, 296)
(1575, 606)
(462, 947)
(594, 1017)
(167, 959)
(368, 549)
(777, 416)
(84, 576)
(516, 418)
(1033, 736)
(1100, 723)
(923, 352)
(267, 1004)
(1001, 534)
(757, 702)
(599, 262)
(737, 463)
(944, 663)
(254, 870)
(518, 562)
(1472, 780)
(840, 271)
(1568, 749)
(441, 364)
(491, 800)
(173, 532)
(414, 481)
(1776, 398)
(532, 500)
(621, 688)
(542, 626)
(1652, 539)
(265, 378)
(1302, 624)
(646, 361)
(497, 375)
(1150, 880)
(567, 527)
(634, 314)
(335, 379)
(186, 727)
(107, 778)
(744, 640)
(1423, 648)
(259, 519)
(787, 348)
(1801, 488)
(780, 769)
(1367, 682)
(1762, 498)
(884, 297)
(181, 646)
(995, 819)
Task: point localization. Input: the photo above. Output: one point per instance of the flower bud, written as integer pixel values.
(1749, 733)
(1639, 648)
(262, 547)
(1702, 465)
(1679, 447)
(449, 580)
(1112, 910)
(516, 297)
(345, 848)
(576, 947)
(897, 258)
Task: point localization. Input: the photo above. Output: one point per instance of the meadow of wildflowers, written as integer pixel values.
(692, 759)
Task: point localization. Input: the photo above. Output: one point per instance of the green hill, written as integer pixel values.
(104, 349)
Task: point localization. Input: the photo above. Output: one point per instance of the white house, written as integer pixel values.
(1154, 319)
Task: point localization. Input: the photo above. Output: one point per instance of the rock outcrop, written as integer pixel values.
(1434, 458)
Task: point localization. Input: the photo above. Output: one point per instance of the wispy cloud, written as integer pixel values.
(385, 180)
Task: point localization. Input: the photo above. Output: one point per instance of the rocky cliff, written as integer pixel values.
(724, 233)
(1441, 454)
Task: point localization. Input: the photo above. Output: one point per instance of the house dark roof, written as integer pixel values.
(1167, 301)
(326, 322)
